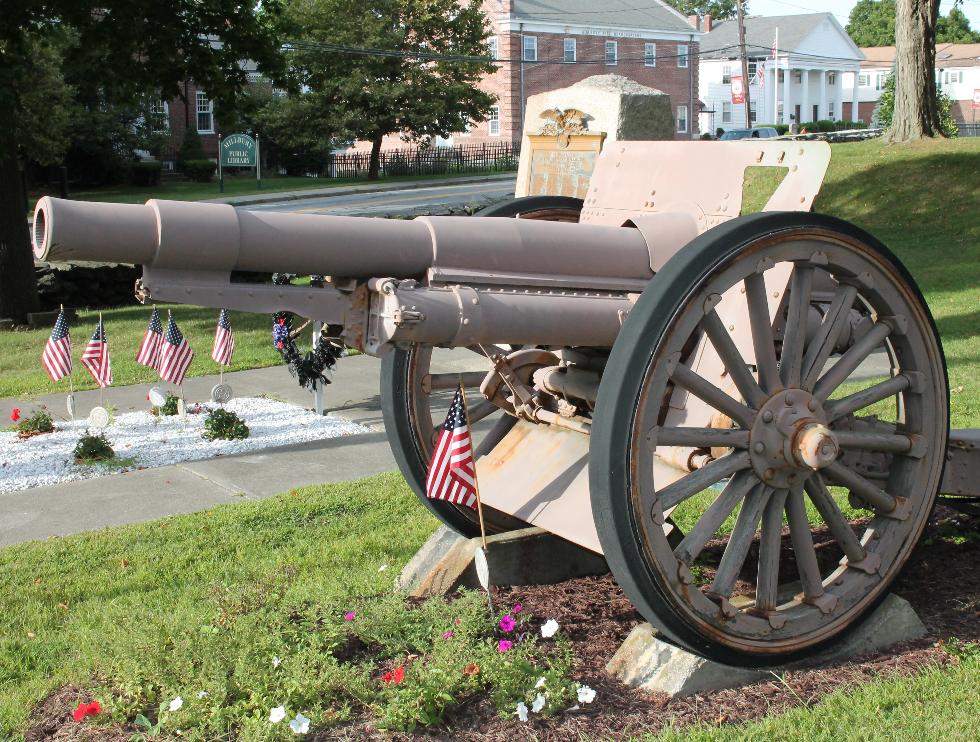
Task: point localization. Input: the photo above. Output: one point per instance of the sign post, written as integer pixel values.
(238, 150)
(221, 175)
(258, 163)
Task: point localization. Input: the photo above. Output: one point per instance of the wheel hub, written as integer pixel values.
(790, 439)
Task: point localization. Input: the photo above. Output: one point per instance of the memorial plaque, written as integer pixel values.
(561, 165)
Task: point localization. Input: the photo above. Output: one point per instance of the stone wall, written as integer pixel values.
(86, 284)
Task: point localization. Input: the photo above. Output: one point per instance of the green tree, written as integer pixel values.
(885, 109)
(872, 23)
(422, 82)
(954, 28)
(717, 9)
(138, 46)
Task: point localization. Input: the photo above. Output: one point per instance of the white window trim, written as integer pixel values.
(165, 113)
(684, 120)
(531, 41)
(864, 80)
(650, 54)
(726, 71)
(573, 48)
(832, 78)
(726, 112)
(683, 56)
(754, 110)
(615, 53)
(197, 112)
(493, 118)
(494, 46)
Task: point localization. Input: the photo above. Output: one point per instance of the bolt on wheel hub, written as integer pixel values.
(790, 439)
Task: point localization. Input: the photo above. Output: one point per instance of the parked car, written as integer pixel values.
(762, 132)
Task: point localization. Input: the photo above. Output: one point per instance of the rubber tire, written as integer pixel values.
(619, 391)
(514, 206)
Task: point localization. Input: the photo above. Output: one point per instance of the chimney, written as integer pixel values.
(694, 21)
(707, 23)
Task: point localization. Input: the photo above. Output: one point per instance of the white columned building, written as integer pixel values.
(815, 71)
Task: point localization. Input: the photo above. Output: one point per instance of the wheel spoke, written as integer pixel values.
(725, 347)
(705, 390)
(876, 497)
(762, 337)
(481, 410)
(699, 437)
(701, 479)
(848, 363)
(739, 542)
(859, 400)
(770, 544)
(834, 518)
(433, 382)
(830, 329)
(794, 336)
(709, 523)
(892, 443)
(803, 551)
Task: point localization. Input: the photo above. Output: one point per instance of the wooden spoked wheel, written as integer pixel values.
(803, 505)
(417, 384)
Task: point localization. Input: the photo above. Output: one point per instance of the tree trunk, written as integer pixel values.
(916, 113)
(374, 168)
(18, 286)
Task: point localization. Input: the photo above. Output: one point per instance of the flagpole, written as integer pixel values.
(476, 479)
(101, 338)
(775, 78)
(71, 384)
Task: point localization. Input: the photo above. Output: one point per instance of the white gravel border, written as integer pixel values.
(159, 441)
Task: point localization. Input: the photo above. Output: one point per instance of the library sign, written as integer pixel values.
(238, 150)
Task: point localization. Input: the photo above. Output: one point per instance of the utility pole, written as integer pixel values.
(745, 63)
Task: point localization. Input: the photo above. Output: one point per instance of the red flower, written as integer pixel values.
(86, 709)
(395, 677)
(15, 414)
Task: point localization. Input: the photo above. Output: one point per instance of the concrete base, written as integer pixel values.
(647, 662)
(530, 556)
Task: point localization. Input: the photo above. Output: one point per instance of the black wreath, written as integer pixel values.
(310, 368)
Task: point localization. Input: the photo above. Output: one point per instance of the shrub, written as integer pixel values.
(92, 449)
(191, 149)
(145, 173)
(200, 171)
(169, 406)
(39, 422)
(224, 424)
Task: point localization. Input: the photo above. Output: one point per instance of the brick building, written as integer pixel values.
(197, 112)
(543, 45)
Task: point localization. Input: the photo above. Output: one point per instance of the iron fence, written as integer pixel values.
(969, 130)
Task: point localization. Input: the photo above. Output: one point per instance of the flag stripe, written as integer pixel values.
(452, 471)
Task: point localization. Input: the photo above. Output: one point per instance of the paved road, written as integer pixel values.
(408, 201)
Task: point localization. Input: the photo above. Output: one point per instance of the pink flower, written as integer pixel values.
(447, 635)
(349, 616)
(15, 414)
(507, 623)
(504, 646)
(517, 608)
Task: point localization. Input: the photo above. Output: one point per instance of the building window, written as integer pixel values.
(798, 76)
(954, 76)
(682, 57)
(205, 114)
(650, 55)
(493, 122)
(780, 72)
(753, 66)
(612, 53)
(569, 50)
(726, 112)
(467, 130)
(864, 81)
(681, 119)
(779, 113)
(160, 112)
(831, 78)
(530, 48)
(752, 110)
(880, 81)
(493, 47)
(726, 74)
(830, 110)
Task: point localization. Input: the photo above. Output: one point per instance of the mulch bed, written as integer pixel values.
(941, 581)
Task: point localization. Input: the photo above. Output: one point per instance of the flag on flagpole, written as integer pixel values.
(175, 354)
(95, 357)
(224, 340)
(452, 472)
(57, 352)
(760, 73)
(149, 353)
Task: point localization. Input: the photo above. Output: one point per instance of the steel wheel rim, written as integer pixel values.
(794, 625)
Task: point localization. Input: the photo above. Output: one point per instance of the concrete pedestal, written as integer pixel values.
(648, 662)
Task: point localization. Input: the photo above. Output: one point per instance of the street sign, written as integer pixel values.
(238, 150)
(738, 89)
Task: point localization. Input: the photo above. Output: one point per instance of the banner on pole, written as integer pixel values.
(738, 89)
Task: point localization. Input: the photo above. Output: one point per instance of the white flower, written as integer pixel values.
(202, 694)
(538, 704)
(383, 567)
(300, 725)
(540, 683)
(277, 714)
(522, 711)
(176, 704)
(276, 662)
(585, 694)
(549, 628)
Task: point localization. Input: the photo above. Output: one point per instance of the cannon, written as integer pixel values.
(747, 415)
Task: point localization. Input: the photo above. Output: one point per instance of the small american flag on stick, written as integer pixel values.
(175, 354)
(95, 357)
(149, 353)
(57, 352)
(224, 340)
(452, 473)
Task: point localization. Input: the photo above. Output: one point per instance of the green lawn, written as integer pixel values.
(23, 376)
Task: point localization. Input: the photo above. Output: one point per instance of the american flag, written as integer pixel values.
(149, 353)
(95, 357)
(224, 340)
(452, 473)
(57, 353)
(175, 354)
